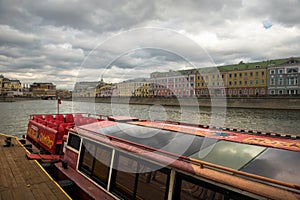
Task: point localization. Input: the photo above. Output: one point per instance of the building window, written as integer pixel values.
(240, 82)
(256, 73)
(272, 71)
(262, 73)
(251, 73)
(234, 92)
(234, 75)
(272, 92)
(251, 82)
(256, 81)
(280, 81)
(234, 82)
(245, 82)
(280, 71)
(272, 81)
(245, 91)
(292, 92)
(251, 91)
(245, 74)
(241, 75)
(230, 92)
(230, 75)
(292, 81)
(230, 83)
(280, 92)
(262, 81)
(262, 91)
(256, 91)
(292, 70)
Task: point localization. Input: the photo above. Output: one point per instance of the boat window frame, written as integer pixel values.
(90, 173)
(163, 169)
(226, 192)
(68, 141)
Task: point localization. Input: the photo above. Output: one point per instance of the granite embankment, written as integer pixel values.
(255, 102)
(13, 99)
(285, 102)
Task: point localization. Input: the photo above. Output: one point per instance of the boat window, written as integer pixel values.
(189, 188)
(95, 161)
(229, 154)
(87, 157)
(125, 176)
(172, 141)
(151, 184)
(74, 141)
(138, 179)
(277, 164)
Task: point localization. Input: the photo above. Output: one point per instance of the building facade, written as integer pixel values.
(105, 90)
(247, 81)
(173, 83)
(283, 79)
(10, 87)
(210, 82)
(43, 90)
(135, 88)
(86, 88)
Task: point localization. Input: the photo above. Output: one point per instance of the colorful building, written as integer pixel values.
(145, 90)
(210, 82)
(244, 80)
(173, 83)
(10, 87)
(43, 90)
(105, 90)
(136, 87)
(283, 78)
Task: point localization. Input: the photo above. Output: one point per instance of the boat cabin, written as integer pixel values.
(128, 158)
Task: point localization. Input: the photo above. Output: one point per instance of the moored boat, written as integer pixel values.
(119, 157)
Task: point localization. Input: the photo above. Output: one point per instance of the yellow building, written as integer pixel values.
(145, 90)
(137, 87)
(43, 90)
(10, 87)
(243, 79)
(210, 82)
(105, 90)
(247, 80)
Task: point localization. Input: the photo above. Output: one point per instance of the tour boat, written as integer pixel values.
(119, 157)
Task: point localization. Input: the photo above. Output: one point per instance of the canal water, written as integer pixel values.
(14, 115)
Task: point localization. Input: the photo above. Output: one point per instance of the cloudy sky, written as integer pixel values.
(83, 40)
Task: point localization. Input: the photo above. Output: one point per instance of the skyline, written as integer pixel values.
(67, 41)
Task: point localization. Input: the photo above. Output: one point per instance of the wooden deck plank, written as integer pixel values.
(6, 194)
(21, 178)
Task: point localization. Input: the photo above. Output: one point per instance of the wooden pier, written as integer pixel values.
(21, 178)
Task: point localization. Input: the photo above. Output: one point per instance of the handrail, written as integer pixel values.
(238, 130)
(87, 114)
(199, 162)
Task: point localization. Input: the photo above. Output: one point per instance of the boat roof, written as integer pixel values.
(271, 157)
